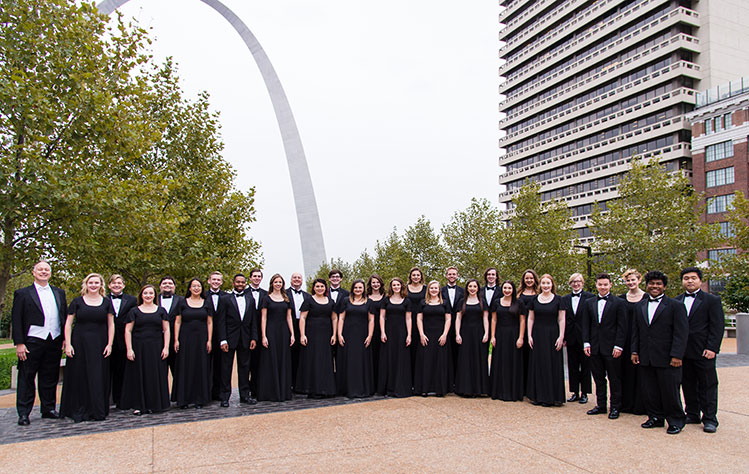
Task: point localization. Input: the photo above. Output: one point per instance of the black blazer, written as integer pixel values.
(27, 311)
(665, 337)
(460, 294)
(290, 294)
(120, 319)
(343, 295)
(237, 332)
(706, 324)
(491, 305)
(258, 300)
(610, 332)
(573, 326)
(173, 309)
(209, 297)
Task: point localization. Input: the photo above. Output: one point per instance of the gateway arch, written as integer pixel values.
(308, 219)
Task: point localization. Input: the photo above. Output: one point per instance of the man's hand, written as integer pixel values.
(21, 351)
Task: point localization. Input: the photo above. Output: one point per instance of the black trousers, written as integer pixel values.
(216, 367)
(117, 369)
(578, 368)
(604, 366)
(42, 362)
(662, 397)
(700, 386)
(244, 357)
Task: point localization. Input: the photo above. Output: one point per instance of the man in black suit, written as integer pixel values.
(238, 333)
(659, 340)
(122, 304)
(171, 303)
(258, 294)
(604, 332)
(578, 365)
(297, 296)
(336, 293)
(706, 325)
(213, 295)
(38, 318)
(452, 296)
(490, 293)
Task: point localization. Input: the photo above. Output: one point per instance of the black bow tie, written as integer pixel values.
(491, 288)
(116, 297)
(576, 295)
(334, 289)
(255, 290)
(238, 294)
(216, 293)
(655, 300)
(165, 297)
(603, 297)
(298, 292)
(690, 295)
(451, 287)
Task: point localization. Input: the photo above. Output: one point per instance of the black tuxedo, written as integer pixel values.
(491, 305)
(295, 323)
(578, 365)
(602, 338)
(655, 343)
(119, 351)
(174, 310)
(43, 358)
(215, 350)
(700, 377)
(453, 309)
(237, 332)
(343, 295)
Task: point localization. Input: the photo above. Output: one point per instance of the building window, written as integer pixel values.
(717, 255)
(717, 124)
(719, 203)
(718, 151)
(717, 286)
(726, 230)
(719, 177)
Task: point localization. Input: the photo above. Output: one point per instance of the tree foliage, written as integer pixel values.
(474, 238)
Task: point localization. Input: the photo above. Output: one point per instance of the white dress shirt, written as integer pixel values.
(489, 295)
(689, 301)
(298, 300)
(652, 307)
(241, 304)
(116, 304)
(451, 294)
(575, 299)
(256, 296)
(166, 302)
(51, 314)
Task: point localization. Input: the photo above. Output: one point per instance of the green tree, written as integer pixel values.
(539, 236)
(654, 225)
(425, 249)
(346, 268)
(391, 258)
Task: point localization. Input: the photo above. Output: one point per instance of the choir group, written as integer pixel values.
(398, 339)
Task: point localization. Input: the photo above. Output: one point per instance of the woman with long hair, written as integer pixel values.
(508, 328)
(632, 398)
(375, 295)
(277, 337)
(433, 362)
(526, 294)
(472, 336)
(85, 393)
(395, 355)
(318, 323)
(354, 356)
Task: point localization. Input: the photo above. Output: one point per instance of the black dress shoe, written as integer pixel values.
(709, 427)
(583, 398)
(596, 410)
(693, 420)
(653, 423)
(225, 403)
(23, 420)
(673, 429)
(573, 398)
(248, 401)
(613, 414)
(53, 415)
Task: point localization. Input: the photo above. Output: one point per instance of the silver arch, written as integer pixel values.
(308, 218)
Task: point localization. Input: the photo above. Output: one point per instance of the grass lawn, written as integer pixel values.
(8, 350)
(4, 340)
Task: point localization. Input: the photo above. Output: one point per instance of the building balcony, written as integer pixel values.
(510, 8)
(529, 14)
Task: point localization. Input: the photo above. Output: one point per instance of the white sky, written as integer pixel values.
(395, 101)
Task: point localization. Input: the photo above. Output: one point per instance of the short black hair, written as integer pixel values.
(168, 277)
(334, 272)
(239, 275)
(656, 275)
(603, 276)
(691, 270)
(254, 270)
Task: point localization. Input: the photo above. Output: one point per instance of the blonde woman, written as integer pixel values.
(433, 372)
(632, 398)
(395, 356)
(85, 393)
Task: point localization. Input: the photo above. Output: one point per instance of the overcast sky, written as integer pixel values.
(395, 101)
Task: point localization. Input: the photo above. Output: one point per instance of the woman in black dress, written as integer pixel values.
(416, 293)
(472, 336)
(375, 294)
(546, 338)
(632, 398)
(277, 333)
(395, 354)
(526, 294)
(317, 335)
(193, 330)
(508, 328)
(85, 393)
(354, 357)
(145, 387)
(433, 361)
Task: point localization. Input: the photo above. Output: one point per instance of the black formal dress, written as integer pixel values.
(507, 360)
(395, 357)
(527, 301)
(85, 390)
(632, 399)
(295, 315)
(176, 301)
(472, 371)
(433, 371)
(274, 366)
(374, 309)
(192, 381)
(354, 375)
(578, 364)
(546, 365)
(145, 386)
(415, 300)
(119, 352)
(316, 376)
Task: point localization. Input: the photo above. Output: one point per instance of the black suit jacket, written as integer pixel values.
(27, 311)
(665, 337)
(343, 295)
(128, 302)
(209, 297)
(460, 294)
(706, 324)
(258, 300)
(491, 305)
(573, 326)
(173, 309)
(237, 332)
(610, 332)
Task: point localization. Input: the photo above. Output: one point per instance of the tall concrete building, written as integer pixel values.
(589, 84)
